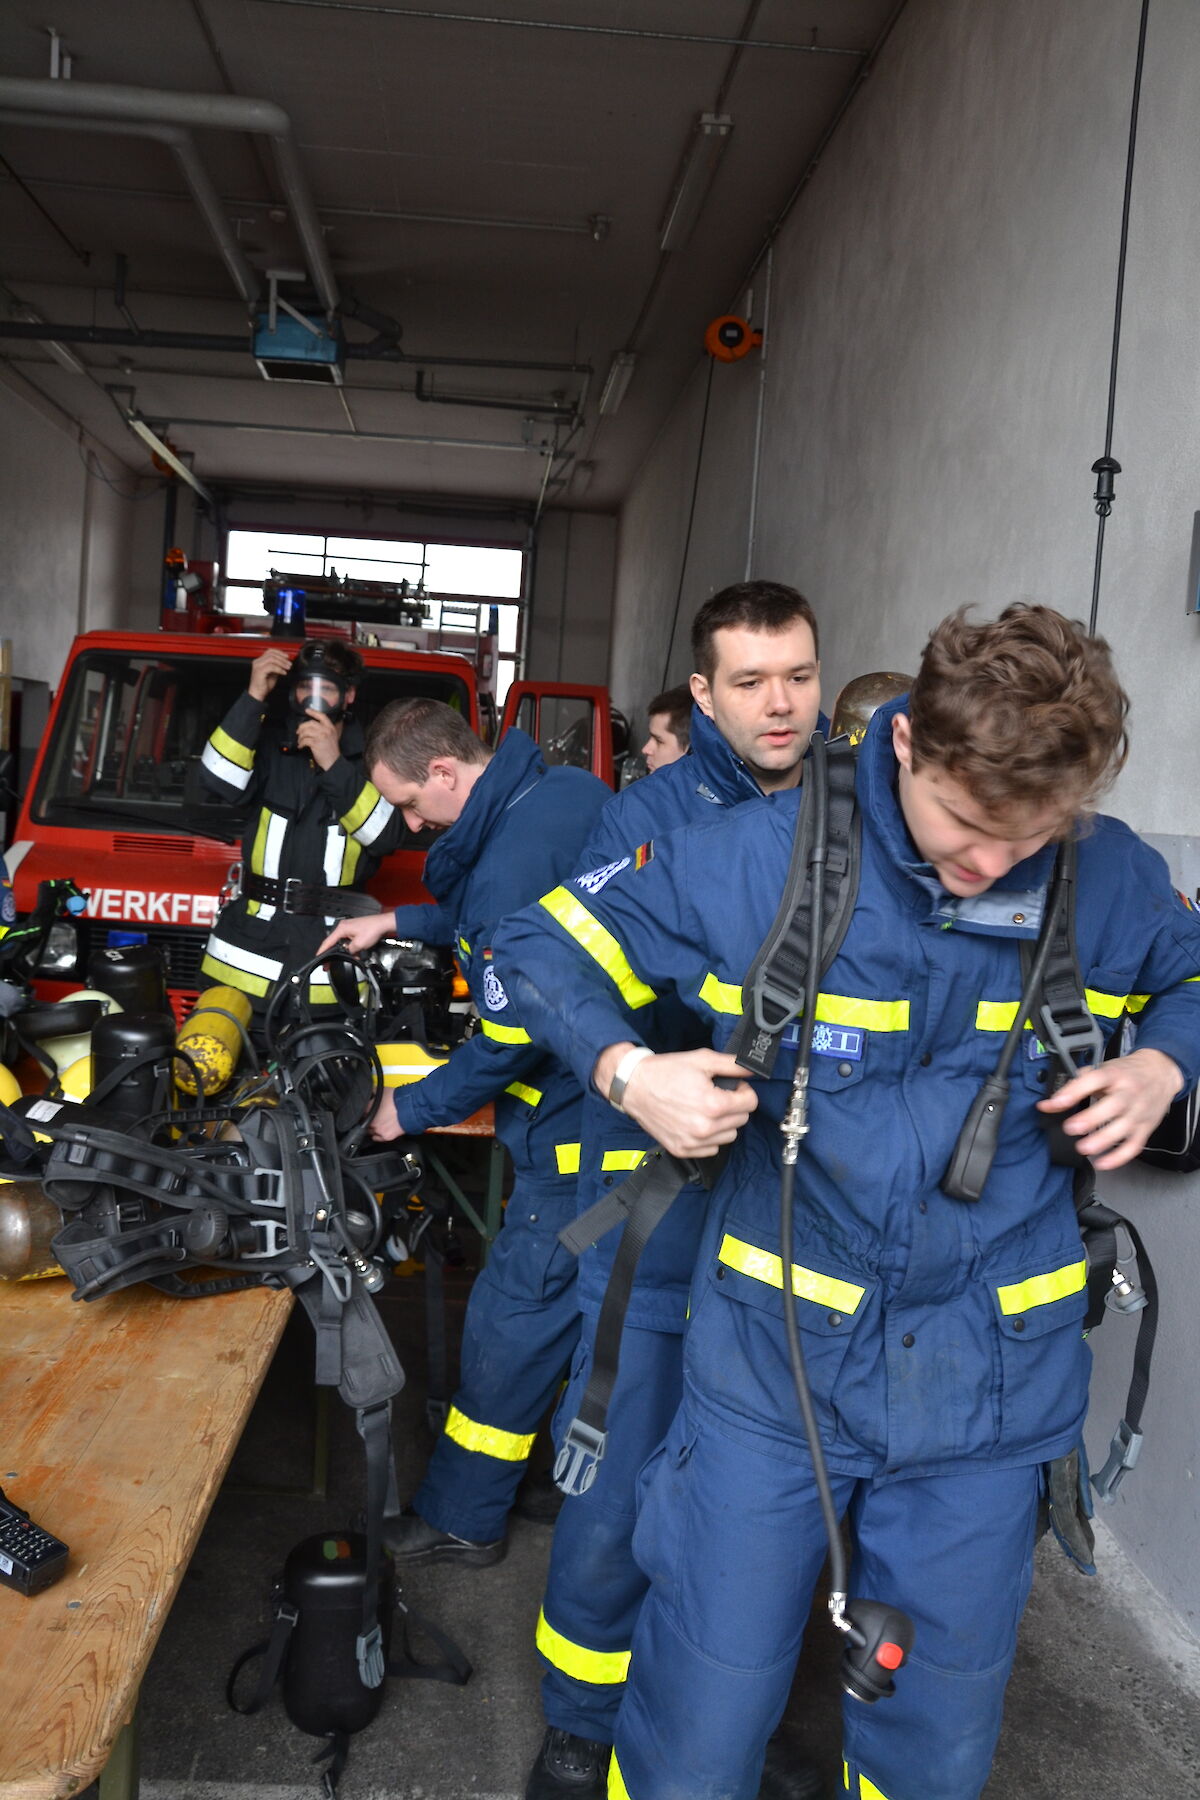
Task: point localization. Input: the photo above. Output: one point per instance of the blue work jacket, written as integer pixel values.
(696, 789)
(938, 1334)
(520, 832)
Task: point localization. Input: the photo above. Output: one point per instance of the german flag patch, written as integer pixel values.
(643, 854)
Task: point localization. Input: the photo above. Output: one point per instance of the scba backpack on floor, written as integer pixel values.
(314, 1651)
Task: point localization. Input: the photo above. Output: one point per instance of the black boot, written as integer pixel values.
(569, 1768)
(787, 1776)
(538, 1499)
(411, 1540)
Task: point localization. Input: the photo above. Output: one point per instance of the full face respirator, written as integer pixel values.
(321, 680)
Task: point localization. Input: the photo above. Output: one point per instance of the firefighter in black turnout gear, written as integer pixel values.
(317, 828)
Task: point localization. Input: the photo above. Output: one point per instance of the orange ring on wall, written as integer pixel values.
(729, 338)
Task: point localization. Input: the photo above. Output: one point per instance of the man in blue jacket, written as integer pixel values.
(757, 697)
(511, 828)
(943, 1340)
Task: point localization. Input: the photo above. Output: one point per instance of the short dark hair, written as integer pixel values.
(676, 702)
(759, 605)
(1020, 709)
(407, 735)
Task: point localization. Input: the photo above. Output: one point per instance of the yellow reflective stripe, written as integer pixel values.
(997, 1015)
(722, 996)
(362, 809)
(241, 754)
(622, 1159)
(530, 1095)
(832, 1009)
(871, 1015)
(868, 1791)
(823, 1290)
(505, 1034)
(599, 943)
(1040, 1290)
(606, 1667)
(234, 977)
(258, 848)
(1136, 1002)
(464, 946)
(1106, 1006)
(258, 853)
(567, 1158)
(616, 1781)
(487, 1440)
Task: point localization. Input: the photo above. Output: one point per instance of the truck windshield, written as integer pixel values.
(127, 739)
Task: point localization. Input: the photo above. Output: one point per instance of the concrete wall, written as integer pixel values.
(65, 532)
(936, 390)
(570, 613)
(663, 574)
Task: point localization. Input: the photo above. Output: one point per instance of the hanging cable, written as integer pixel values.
(687, 542)
(1107, 468)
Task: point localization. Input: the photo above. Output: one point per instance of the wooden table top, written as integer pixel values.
(118, 1419)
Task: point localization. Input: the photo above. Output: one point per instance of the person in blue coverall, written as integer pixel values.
(943, 1340)
(511, 827)
(757, 697)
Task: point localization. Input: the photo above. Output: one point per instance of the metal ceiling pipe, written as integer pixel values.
(192, 112)
(183, 147)
(359, 437)
(150, 339)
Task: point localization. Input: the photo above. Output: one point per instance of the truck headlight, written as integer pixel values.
(60, 956)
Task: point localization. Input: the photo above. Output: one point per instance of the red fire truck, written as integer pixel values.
(116, 802)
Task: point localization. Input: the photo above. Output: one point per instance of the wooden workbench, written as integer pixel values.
(118, 1419)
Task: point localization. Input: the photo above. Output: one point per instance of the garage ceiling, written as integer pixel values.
(491, 182)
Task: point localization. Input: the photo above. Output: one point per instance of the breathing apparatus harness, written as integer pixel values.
(268, 1188)
(813, 917)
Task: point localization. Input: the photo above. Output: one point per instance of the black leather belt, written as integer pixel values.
(292, 896)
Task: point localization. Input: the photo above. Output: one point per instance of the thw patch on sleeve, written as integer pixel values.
(643, 854)
(493, 990)
(599, 878)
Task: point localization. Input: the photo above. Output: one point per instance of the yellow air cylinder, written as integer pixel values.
(10, 1087)
(212, 1039)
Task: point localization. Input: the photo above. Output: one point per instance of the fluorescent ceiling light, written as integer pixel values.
(710, 135)
(617, 381)
(137, 424)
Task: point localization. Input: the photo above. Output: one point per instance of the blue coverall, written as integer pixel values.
(943, 1340)
(520, 831)
(594, 1588)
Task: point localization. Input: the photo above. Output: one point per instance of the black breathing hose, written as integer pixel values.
(787, 1186)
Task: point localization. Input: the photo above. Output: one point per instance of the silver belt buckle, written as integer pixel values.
(232, 889)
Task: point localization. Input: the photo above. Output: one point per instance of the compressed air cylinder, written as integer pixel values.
(10, 1087)
(28, 1221)
(212, 1036)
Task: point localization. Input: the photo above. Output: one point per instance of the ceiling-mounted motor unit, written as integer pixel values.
(303, 349)
(294, 345)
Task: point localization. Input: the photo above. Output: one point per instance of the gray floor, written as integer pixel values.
(1105, 1698)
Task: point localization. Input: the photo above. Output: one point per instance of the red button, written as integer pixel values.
(890, 1655)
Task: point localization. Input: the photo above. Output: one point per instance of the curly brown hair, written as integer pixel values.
(1020, 709)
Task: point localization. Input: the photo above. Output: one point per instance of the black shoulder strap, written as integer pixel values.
(773, 992)
(1059, 1012)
